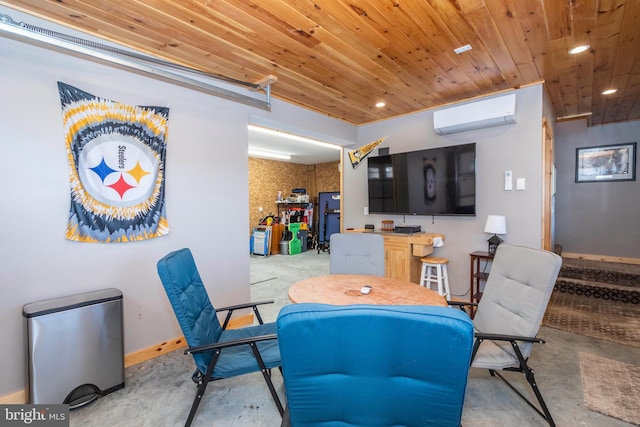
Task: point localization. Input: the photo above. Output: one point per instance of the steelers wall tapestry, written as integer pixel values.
(117, 166)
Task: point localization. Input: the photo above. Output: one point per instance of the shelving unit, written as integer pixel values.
(304, 225)
(478, 275)
(286, 206)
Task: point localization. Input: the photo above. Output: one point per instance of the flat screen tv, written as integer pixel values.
(437, 181)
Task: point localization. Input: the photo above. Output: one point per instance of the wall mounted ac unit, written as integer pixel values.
(475, 115)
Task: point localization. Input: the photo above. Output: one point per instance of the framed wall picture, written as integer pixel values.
(606, 163)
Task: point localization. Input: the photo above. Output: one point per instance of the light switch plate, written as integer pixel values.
(520, 184)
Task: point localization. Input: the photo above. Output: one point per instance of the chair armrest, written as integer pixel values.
(231, 343)
(254, 305)
(462, 306)
(462, 303)
(501, 337)
(513, 339)
(244, 305)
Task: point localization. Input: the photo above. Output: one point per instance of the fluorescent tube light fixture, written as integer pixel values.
(270, 154)
(294, 137)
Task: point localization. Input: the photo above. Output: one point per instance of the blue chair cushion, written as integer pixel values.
(240, 359)
(366, 365)
(200, 325)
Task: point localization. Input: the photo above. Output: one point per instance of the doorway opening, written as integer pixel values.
(284, 193)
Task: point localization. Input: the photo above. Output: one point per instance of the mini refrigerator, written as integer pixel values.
(75, 348)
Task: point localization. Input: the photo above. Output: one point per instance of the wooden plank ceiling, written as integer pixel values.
(341, 57)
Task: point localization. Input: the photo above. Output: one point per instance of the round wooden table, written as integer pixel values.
(344, 289)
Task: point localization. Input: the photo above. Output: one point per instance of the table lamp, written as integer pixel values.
(496, 224)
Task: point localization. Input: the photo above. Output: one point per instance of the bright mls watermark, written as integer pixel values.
(34, 415)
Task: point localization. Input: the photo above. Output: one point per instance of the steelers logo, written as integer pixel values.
(117, 169)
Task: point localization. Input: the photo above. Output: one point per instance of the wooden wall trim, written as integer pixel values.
(149, 353)
(131, 359)
(17, 398)
(604, 258)
(175, 344)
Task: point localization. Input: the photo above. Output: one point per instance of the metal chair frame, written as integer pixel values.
(524, 368)
(202, 380)
(229, 340)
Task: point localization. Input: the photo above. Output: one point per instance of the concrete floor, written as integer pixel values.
(159, 392)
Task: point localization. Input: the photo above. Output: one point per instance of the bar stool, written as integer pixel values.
(434, 271)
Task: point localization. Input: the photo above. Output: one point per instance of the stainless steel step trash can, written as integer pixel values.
(75, 348)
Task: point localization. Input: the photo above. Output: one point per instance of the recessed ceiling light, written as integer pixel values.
(579, 49)
(609, 91)
(380, 104)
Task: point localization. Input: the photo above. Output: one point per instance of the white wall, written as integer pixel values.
(206, 194)
(516, 147)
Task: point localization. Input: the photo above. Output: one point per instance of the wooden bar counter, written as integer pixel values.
(402, 253)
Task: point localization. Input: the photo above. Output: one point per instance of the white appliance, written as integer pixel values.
(476, 115)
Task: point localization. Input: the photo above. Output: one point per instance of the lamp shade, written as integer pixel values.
(496, 224)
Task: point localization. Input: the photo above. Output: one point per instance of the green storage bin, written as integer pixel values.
(295, 246)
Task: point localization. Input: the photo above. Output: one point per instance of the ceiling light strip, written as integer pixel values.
(294, 137)
(43, 37)
(574, 116)
(270, 154)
